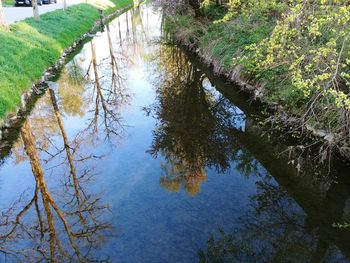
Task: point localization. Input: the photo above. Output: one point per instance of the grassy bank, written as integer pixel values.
(30, 46)
(296, 56)
(8, 3)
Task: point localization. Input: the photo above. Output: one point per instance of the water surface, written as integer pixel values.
(137, 153)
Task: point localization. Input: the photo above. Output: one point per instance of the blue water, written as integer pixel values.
(170, 162)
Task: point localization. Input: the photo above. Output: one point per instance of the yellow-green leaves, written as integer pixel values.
(312, 38)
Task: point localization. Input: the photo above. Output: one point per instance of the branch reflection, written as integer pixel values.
(276, 229)
(55, 228)
(195, 125)
(64, 220)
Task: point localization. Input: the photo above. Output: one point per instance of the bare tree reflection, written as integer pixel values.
(117, 85)
(65, 221)
(55, 232)
(133, 46)
(107, 103)
(68, 227)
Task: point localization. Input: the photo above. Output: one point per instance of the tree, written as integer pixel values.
(309, 47)
(71, 89)
(35, 10)
(196, 5)
(2, 17)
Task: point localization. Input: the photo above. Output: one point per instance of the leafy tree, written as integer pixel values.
(309, 47)
(295, 53)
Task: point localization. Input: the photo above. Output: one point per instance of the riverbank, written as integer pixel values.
(8, 3)
(302, 82)
(30, 47)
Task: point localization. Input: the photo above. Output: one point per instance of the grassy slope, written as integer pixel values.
(224, 43)
(32, 46)
(8, 2)
(220, 41)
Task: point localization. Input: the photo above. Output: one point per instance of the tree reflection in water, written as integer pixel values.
(198, 128)
(195, 125)
(64, 222)
(134, 46)
(107, 102)
(71, 87)
(64, 225)
(274, 230)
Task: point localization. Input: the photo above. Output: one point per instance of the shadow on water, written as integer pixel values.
(195, 123)
(205, 132)
(199, 127)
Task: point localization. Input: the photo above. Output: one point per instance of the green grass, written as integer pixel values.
(32, 46)
(224, 40)
(119, 4)
(8, 2)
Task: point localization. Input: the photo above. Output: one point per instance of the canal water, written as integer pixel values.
(137, 153)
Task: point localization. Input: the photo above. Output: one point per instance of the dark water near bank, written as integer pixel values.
(137, 154)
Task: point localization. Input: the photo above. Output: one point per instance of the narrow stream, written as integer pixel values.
(137, 153)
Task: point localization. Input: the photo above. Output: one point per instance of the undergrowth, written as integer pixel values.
(296, 56)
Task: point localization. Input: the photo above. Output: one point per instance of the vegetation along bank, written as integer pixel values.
(292, 55)
(29, 46)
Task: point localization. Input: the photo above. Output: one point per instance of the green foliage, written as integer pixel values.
(311, 42)
(227, 40)
(8, 2)
(213, 11)
(187, 29)
(296, 52)
(221, 35)
(31, 46)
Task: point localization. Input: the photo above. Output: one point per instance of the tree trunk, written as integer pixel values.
(64, 4)
(48, 202)
(67, 148)
(35, 10)
(2, 18)
(195, 4)
(38, 172)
